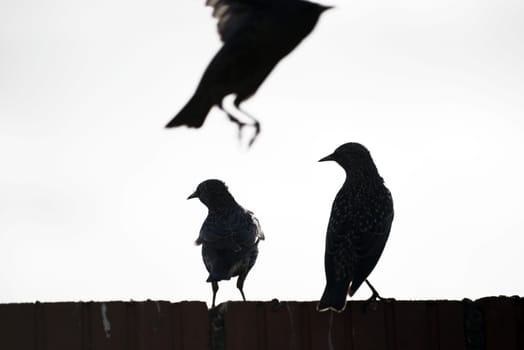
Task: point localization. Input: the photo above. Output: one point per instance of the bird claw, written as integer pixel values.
(372, 302)
(276, 304)
(240, 124)
(256, 125)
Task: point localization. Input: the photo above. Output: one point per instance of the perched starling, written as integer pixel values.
(229, 235)
(256, 34)
(358, 228)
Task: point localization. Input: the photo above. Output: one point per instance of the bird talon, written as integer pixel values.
(240, 132)
(256, 125)
(276, 304)
(251, 141)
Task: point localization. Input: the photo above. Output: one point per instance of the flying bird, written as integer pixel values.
(256, 35)
(358, 228)
(229, 236)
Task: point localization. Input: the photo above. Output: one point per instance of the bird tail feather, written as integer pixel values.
(333, 298)
(193, 114)
(218, 276)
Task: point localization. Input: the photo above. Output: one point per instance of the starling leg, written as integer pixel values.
(240, 285)
(256, 124)
(235, 120)
(371, 302)
(215, 290)
(375, 295)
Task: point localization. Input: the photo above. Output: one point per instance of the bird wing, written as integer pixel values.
(369, 242)
(241, 229)
(259, 234)
(339, 252)
(369, 246)
(235, 15)
(218, 235)
(356, 238)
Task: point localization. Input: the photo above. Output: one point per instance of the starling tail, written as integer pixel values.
(193, 114)
(334, 297)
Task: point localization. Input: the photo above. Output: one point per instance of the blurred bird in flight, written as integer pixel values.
(256, 35)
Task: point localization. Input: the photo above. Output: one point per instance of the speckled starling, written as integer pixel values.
(358, 228)
(256, 34)
(229, 235)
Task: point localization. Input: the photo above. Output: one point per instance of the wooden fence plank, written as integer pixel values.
(369, 326)
(107, 325)
(62, 324)
(411, 325)
(17, 326)
(195, 325)
(451, 325)
(500, 320)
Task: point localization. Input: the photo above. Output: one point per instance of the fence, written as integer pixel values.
(485, 324)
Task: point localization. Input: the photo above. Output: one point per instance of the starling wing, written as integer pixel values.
(232, 15)
(227, 244)
(354, 242)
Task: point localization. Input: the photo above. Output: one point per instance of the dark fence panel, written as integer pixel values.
(149, 325)
(502, 327)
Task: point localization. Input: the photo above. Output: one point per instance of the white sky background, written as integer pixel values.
(93, 188)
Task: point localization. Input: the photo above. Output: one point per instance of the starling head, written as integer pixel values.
(351, 156)
(212, 193)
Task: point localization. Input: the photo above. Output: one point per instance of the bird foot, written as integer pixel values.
(240, 124)
(256, 125)
(372, 302)
(276, 304)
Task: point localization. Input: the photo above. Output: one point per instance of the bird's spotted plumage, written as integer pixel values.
(358, 227)
(256, 34)
(229, 235)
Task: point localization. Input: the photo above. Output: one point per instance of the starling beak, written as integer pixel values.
(193, 195)
(359, 226)
(256, 35)
(327, 158)
(229, 236)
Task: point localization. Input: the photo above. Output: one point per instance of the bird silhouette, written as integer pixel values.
(229, 236)
(359, 226)
(256, 35)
